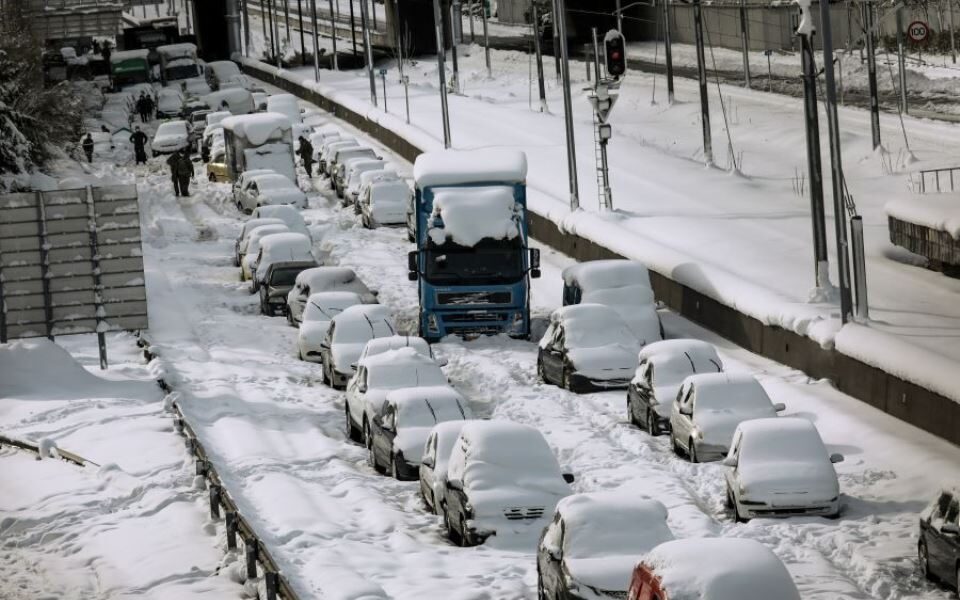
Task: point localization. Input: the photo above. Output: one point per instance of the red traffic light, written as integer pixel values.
(615, 60)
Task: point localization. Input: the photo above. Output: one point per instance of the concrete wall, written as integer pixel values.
(901, 399)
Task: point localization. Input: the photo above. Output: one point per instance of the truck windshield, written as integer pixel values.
(284, 277)
(490, 261)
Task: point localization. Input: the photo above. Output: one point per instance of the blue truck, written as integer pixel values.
(472, 260)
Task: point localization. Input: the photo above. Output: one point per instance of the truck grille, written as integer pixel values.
(476, 317)
(520, 513)
(474, 297)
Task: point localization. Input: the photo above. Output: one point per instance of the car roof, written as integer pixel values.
(586, 313)
(397, 357)
(287, 239)
(607, 273)
(678, 346)
(326, 274)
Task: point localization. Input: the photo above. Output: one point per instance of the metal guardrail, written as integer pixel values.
(61, 454)
(275, 584)
(938, 180)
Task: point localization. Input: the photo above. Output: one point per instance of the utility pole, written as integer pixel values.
(368, 51)
(556, 43)
(486, 38)
(872, 74)
(303, 51)
(286, 17)
(619, 10)
(953, 43)
(246, 29)
(539, 54)
(745, 42)
(836, 167)
(353, 29)
(442, 72)
(821, 263)
(398, 32)
(455, 77)
(702, 77)
(333, 36)
(667, 50)
(901, 64)
(263, 20)
(560, 29)
(316, 40)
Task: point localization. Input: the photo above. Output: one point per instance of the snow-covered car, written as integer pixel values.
(348, 173)
(251, 249)
(317, 140)
(663, 367)
(341, 158)
(348, 334)
(938, 548)
(377, 375)
(709, 407)
(711, 569)
(212, 136)
(502, 479)
(321, 308)
(270, 189)
(587, 347)
(781, 468)
(169, 103)
(623, 285)
(244, 180)
(395, 342)
(282, 247)
(433, 463)
(195, 87)
(286, 213)
(590, 548)
(170, 137)
(245, 231)
(218, 72)
(329, 147)
(277, 282)
(401, 427)
(324, 279)
(287, 105)
(217, 167)
(260, 101)
(384, 202)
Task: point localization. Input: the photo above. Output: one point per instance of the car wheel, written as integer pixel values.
(924, 561)
(212, 177)
(957, 580)
(653, 427)
(565, 379)
(410, 237)
(541, 593)
(728, 499)
(393, 467)
(676, 446)
(452, 534)
(366, 434)
(737, 518)
(299, 353)
(464, 536)
(692, 451)
(540, 374)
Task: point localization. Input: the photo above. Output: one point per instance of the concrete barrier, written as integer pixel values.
(907, 401)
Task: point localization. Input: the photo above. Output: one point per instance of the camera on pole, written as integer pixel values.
(616, 55)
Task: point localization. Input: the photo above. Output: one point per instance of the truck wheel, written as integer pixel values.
(653, 428)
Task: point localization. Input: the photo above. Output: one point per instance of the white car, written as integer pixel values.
(433, 464)
(282, 247)
(349, 332)
(260, 101)
(244, 179)
(587, 347)
(317, 140)
(663, 367)
(286, 213)
(170, 137)
(384, 202)
(195, 87)
(321, 308)
(341, 158)
(623, 285)
(377, 375)
(400, 428)
(329, 147)
(169, 103)
(781, 468)
(348, 173)
(245, 231)
(709, 407)
(594, 542)
(395, 342)
(270, 189)
(250, 250)
(324, 279)
(287, 105)
(503, 480)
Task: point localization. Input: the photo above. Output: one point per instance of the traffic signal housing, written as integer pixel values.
(616, 54)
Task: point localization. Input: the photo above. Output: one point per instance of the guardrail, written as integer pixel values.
(34, 448)
(940, 180)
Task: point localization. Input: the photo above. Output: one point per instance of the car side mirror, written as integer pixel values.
(454, 484)
(412, 265)
(950, 529)
(569, 477)
(836, 458)
(779, 407)
(534, 273)
(362, 388)
(729, 461)
(427, 462)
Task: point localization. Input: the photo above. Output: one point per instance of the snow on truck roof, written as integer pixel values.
(472, 214)
(454, 167)
(122, 55)
(720, 569)
(259, 127)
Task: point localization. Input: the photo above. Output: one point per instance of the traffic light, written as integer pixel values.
(615, 53)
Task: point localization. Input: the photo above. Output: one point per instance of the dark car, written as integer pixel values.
(939, 545)
(277, 284)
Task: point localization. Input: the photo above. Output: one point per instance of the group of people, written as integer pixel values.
(145, 106)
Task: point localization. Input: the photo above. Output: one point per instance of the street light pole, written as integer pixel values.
(872, 74)
(333, 36)
(442, 72)
(667, 50)
(316, 41)
(702, 77)
(368, 51)
(303, 50)
(560, 27)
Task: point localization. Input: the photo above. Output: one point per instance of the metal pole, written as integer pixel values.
(246, 29)
(619, 11)
(556, 43)
(368, 51)
(441, 72)
(473, 4)
(745, 42)
(561, 25)
(812, 119)
(587, 60)
(353, 29)
(596, 58)
(286, 17)
(399, 36)
(406, 96)
(383, 76)
(953, 44)
(373, 7)
(303, 49)
(486, 38)
(263, 21)
(859, 267)
(702, 76)
(872, 74)
(455, 76)
(836, 166)
(901, 63)
(539, 54)
(667, 50)
(333, 36)
(316, 41)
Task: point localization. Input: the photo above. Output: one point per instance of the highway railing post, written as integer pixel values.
(250, 556)
(368, 52)
(539, 55)
(560, 26)
(872, 73)
(333, 35)
(441, 72)
(702, 78)
(231, 524)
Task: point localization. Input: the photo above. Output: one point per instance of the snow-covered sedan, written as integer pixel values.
(321, 308)
(348, 174)
(709, 569)
(375, 376)
(250, 249)
(328, 148)
(587, 347)
(169, 103)
(395, 342)
(270, 189)
(384, 202)
(276, 282)
(282, 247)
(502, 479)
(433, 464)
(324, 279)
(348, 334)
(781, 468)
(170, 137)
(590, 548)
(709, 407)
(938, 548)
(400, 429)
(244, 180)
(663, 367)
(245, 231)
(286, 213)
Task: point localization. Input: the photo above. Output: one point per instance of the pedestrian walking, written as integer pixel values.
(88, 147)
(139, 140)
(151, 106)
(174, 163)
(142, 107)
(185, 172)
(306, 155)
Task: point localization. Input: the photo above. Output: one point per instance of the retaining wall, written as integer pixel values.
(907, 401)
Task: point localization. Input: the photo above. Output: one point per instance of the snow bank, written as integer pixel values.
(940, 212)
(258, 128)
(454, 167)
(472, 214)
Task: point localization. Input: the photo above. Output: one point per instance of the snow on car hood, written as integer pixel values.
(313, 332)
(606, 362)
(789, 482)
(163, 139)
(410, 441)
(281, 196)
(719, 425)
(603, 573)
(345, 355)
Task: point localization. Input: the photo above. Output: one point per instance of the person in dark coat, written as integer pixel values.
(88, 147)
(306, 155)
(184, 172)
(142, 107)
(139, 140)
(174, 163)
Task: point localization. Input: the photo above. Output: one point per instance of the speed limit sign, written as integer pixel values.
(918, 31)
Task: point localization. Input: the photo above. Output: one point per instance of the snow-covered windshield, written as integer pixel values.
(490, 261)
(404, 375)
(427, 413)
(284, 277)
(777, 444)
(182, 71)
(740, 397)
(595, 333)
(270, 182)
(360, 330)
